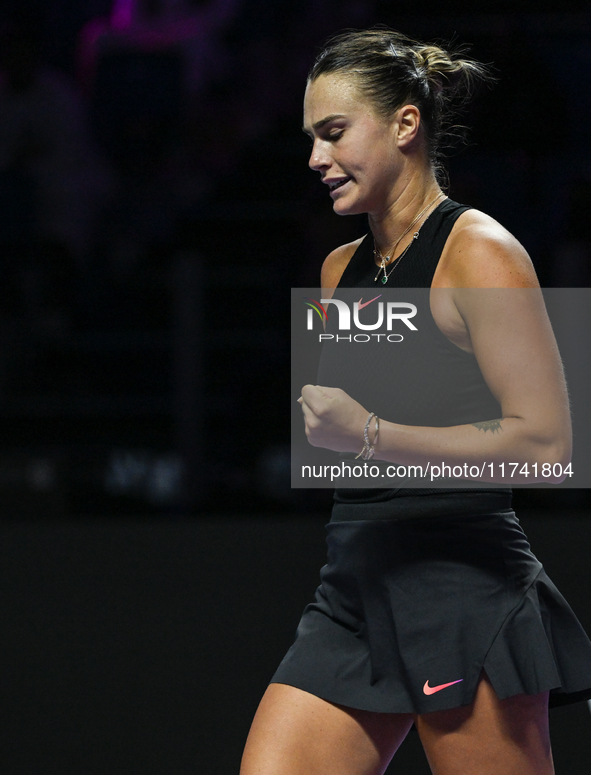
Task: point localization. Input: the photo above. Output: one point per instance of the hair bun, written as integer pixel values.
(447, 70)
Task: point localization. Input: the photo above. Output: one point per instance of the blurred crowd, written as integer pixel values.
(106, 161)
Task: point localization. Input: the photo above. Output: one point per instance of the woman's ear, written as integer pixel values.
(407, 125)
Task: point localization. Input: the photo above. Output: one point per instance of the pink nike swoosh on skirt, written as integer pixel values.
(432, 689)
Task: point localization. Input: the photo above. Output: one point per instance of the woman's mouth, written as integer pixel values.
(338, 184)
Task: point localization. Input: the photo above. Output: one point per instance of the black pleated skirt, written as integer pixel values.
(409, 612)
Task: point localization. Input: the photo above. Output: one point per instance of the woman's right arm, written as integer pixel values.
(335, 264)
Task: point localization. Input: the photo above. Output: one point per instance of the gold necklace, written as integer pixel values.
(385, 260)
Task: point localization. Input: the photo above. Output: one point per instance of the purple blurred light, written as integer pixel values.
(122, 13)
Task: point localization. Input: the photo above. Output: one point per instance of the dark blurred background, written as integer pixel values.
(155, 209)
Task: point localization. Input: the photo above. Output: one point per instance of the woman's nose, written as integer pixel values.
(318, 158)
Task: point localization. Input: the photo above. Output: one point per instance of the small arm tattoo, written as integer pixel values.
(488, 425)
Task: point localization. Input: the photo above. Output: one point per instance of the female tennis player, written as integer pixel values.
(432, 608)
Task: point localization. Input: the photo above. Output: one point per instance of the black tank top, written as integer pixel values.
(417, 268)
(432, 382)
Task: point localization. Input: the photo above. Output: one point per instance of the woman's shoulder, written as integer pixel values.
(336, 262)
(481, 253)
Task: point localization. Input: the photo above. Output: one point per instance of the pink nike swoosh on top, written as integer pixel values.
(365, 303)
(432, 689)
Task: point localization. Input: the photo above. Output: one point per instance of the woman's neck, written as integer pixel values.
(418, 195)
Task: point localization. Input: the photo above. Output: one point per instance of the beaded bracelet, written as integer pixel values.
(369, 449)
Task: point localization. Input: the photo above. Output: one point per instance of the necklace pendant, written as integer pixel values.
(384, 279)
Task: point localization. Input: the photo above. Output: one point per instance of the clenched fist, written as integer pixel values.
(333, 419)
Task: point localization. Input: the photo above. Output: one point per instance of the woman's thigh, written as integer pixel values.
(296, 733)
(489, 737)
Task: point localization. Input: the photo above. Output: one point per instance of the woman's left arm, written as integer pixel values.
(496, 297)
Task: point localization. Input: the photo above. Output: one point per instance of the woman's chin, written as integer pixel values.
(342, 207)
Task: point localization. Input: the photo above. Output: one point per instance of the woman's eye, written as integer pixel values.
(335, 135)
